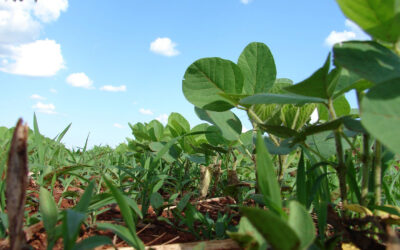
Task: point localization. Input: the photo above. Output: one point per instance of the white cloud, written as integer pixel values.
(164, 46)
(246, 1)
(162, 118)
(244, 129)
(117, 125)
(39, 58)
(145, 111)
(80, 80)
(45, 108)
(53, 91)
(37, 97)
(49, 10)
(111, 88)
(353, 33)
(20, 26)
(16, 23)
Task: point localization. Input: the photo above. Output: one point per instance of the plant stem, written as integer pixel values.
(365, 170)
(254, 117)
(341, 167)
(365, 159)
(378, 173)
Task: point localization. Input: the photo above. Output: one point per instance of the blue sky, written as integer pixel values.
(102, 64)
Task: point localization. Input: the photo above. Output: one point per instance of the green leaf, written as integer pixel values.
(301, 222)
(369, 60)
(214, 137)
(381, 113)
(296, 117)
(379, 18)
(280, 131)
(156, 200)
(206, 79)
(121, 231)
(178, 124)
(93, 242)
(341, 106)
(155, 130)
(184, 201)
(258, 68)
(316, 85)
(301, 188)
(347, 81)
(280, 99)
(84, 201)
(267, 179)
(48, 211)
(227, 122)
(284, 147)
(71, 227)
(126, 213)
(132, 203)
(170, 155)
(275, 230)
(247, 236)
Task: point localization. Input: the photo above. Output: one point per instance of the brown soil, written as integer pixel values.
(152, 232)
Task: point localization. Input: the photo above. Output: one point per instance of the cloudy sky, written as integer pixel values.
(102, 64)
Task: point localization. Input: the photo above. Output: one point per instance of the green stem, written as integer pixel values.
(341, 167)
(365, 170)
(378, 173)
(254, 116)
(314, 152)
(365, 159)
(282, 167)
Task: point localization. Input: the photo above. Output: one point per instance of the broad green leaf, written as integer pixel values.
(323, 144)
(258, 68)
(369, 60)
(267, 179)
(155, 130)
(381, 113)
(295, 117)
(347, 81)
(93, 242)
(316, 85)
(273, 228)
(228, 123)
(178, 124)
(170, 155)
(280, 131)
(279, 85)
(301, 222)
(48, 211)
(139, 131)
(379, 18)
(341, 106)
(214, 137)
(280, 99)
(284, 147)
(269, 114)
(206, 79)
